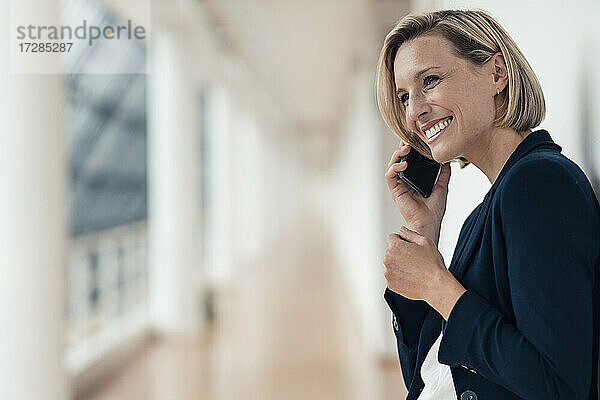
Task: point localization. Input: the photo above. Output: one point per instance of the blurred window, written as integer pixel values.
(106, 129)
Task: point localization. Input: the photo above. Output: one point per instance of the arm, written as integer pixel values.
(409, 315)
(551, 233)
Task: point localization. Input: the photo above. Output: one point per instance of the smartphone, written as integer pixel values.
(421, 173)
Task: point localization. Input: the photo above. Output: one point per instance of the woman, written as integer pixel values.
(515, 315)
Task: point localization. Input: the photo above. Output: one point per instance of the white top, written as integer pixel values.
(437, 377)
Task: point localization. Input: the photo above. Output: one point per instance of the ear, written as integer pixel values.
(500, 72)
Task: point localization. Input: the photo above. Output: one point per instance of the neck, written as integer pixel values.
(493, 150)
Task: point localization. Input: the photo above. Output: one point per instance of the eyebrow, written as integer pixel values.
(416, 76)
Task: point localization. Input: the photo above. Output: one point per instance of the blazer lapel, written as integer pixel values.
(472, 239)
(461, 258)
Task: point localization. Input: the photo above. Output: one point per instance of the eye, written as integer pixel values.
(431, 79)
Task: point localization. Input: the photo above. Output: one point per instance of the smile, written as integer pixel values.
(433, 132)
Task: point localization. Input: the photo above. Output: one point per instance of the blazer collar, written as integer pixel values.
(535, 139)
(460, 260)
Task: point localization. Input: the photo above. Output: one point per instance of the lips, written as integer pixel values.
(432, 123)
(437, 129)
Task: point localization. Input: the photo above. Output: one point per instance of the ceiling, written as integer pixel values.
(300, 53)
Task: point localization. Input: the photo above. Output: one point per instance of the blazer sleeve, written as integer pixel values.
(551, 229)
(407, 319)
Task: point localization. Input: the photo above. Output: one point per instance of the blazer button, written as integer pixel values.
(468, 395)
(395, 323)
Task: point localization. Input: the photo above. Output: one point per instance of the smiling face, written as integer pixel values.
(451, 89)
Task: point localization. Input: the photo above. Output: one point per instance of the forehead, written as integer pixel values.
(420, 53)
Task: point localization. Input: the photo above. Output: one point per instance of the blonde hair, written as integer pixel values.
(476, 37)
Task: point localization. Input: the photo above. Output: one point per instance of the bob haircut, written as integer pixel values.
(476, 37)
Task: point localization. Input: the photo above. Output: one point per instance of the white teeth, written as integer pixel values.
(436, 128)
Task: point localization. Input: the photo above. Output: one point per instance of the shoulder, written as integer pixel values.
(547, 177)
(544, 191)
(546, 200)
(544, 164)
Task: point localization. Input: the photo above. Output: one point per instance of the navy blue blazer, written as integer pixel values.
(529, 256)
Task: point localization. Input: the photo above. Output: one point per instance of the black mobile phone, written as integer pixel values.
(421, 173)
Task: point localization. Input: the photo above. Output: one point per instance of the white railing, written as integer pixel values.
(107, 293)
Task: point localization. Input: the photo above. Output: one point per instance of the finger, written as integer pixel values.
(402, 151)
(394, 169)
(392, 237)
(411, 236)
(392, 177)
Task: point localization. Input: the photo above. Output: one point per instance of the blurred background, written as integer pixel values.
(215, 228)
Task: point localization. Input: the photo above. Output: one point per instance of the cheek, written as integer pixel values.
(452, 145)
(443, 96)
(479, 107)
(471, 112)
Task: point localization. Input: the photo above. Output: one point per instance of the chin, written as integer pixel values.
(444, 151)
(443, 156)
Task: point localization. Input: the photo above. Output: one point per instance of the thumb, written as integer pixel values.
(444, 176)
(409, 235)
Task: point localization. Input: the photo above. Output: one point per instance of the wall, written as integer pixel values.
(554, 36)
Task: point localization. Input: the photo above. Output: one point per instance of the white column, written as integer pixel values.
(34, 231)
(245, 182)
(173, 188)
(219, 268)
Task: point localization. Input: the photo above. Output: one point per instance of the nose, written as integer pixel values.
(417, 109)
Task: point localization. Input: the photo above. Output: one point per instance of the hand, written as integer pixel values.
(415, 269)
(421, 214)
(413, 264)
